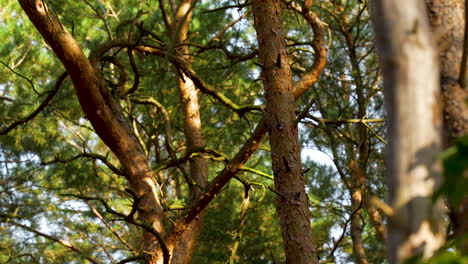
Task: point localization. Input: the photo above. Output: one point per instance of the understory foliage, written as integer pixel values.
(61, 186)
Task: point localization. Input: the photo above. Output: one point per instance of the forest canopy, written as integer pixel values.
(199, 131)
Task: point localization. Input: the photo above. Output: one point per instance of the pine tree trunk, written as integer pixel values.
(106, 117)
(188, 93)
(292, 202)
(447, 19)
(410, 70)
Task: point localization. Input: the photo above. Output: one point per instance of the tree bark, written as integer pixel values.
(410, 69)
(357, 200)
(376, 219)
(188, 93)
(108, 120)
(358, 169)
(105, 115)
(292, 202)
(447, 19)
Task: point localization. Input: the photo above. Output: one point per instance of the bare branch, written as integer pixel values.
(130, 219)
(95, 156)
(31, 83)
(41, 107)
(66, 243)
(463, 66)
(113, 231)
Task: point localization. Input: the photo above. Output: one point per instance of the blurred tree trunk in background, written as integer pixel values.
(411, 86)
(447, 18)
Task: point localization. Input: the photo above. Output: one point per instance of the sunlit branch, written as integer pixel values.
(260, 173)
(205, 88)
(318, 44)
(253, 143)
(374, 133)
(21, 60)
(339, 122)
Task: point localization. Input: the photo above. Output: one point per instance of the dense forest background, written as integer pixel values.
(179, 164)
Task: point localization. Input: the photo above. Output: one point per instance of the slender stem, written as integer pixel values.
(463, 72)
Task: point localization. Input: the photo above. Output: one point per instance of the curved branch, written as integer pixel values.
(111, 229)
(136, 73)
(95, 156)
(41, 107)
(318, 44)
(253, 143)
(60, 241)
(130, 219)
(167, 121)
(207, 89)
(180, 64)
(104, 113)
(123, 78)
(195, 152)
(132, 259)
(22, 76)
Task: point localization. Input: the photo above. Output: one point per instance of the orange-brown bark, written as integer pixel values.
(188, 93)
(104, 113)
(448, 23)
(107, 118)
(292, 202)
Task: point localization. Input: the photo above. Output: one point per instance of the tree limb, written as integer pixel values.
(41, 107)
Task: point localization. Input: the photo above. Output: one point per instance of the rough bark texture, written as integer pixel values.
(107, 118)
(292, 202)
(447, 19)
(410, 70)
(104, 113)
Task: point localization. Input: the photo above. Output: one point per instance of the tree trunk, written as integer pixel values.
(292, 202)
(105, 115)
(185, 246)
(357, 200)
(450, 37)
(358, 170)
(410, 69)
